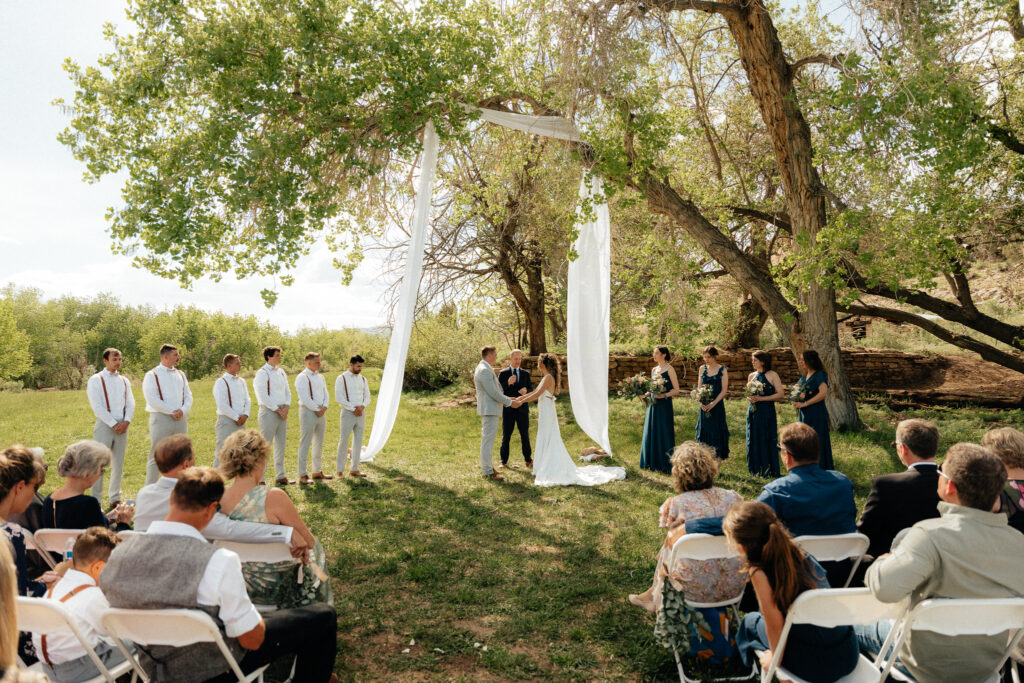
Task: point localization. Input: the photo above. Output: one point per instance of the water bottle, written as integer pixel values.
(69, 548)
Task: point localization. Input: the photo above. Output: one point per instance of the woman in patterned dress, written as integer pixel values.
(244, 459)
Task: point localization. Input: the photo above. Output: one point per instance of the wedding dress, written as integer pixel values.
(552, 464)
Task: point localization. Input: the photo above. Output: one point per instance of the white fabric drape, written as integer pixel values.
(588, 305)
(587, 318)
(398, 346)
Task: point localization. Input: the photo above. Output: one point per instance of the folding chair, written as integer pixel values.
(39, 615)
(262, 552)
(172, 627)
(53, 540)
(829, 608)
(702, 547)
(835, 548)
(31, 544)
(960, 616)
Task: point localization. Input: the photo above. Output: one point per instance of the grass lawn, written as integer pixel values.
(441, 575)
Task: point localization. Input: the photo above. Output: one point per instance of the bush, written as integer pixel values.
(442, 351)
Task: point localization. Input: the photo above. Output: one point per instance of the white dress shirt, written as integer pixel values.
(351, 390)
(153, 502)
(232, 396)
(173, 386)
(271, 387)
(86, 608)
(222, 585)
(312, 390)
(115, 405)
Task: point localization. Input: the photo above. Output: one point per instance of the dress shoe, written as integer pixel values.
(284, 481)
(494, 476)
(321, 475)
(356, 473)
(340, 475)
(303, 479)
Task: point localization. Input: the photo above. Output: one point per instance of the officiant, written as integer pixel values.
(515, 382)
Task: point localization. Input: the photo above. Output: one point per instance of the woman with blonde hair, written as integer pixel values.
(1008, 444)
(243, 458)
(9, 672)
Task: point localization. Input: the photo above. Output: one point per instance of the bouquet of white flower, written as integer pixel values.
(642, 387)
(703, 394)
(754, 388)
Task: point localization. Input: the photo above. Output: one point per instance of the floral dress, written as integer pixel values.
(276, 583)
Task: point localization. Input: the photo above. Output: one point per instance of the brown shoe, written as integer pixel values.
(494, 476)
(284, 481)
(530, 464)
(321, 475)
(356, 473)
(303, 479)
(340, 475)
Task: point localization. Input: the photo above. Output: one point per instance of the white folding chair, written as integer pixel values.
(829, 608)
(262, 552)
(31, 544)
(39, 615)
(835, 548)
(702, 547)
(956, 617)
(53, 540)
(172, 627)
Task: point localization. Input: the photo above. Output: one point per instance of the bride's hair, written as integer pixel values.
(551, 364)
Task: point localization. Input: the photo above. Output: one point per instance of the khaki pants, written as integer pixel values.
(350, 424)
(118, 444)
(311, 433)
(160, 426)
(275, 431)
(224, 428)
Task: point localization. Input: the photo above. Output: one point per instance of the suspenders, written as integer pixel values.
(161, 391)
(124, 411)
(230, 405)
(344, 383)
(49, 594)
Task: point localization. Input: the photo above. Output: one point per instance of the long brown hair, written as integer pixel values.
(550, 362)
(17, 464)
(770, 548)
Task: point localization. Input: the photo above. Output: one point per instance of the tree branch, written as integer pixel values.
(780, 219)
(1006, 138)
(679, 5)
(834, 61)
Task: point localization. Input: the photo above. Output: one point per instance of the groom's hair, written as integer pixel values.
(488, 350)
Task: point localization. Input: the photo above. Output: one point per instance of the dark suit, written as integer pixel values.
(898, 501)
(515, 417)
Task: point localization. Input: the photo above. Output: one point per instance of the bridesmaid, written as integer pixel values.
(762, 424)
(659, 425)
(711, 427)
(812, 410)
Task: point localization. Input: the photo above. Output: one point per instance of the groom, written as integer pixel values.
(515, 381)
(489, 400)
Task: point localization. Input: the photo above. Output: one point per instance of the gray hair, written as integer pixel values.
(514, 352)
(83, 459)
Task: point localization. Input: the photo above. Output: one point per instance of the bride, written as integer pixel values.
(552, 464)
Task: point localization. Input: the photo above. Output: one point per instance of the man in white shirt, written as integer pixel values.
(63, 656)
(168, 402)
(311, 387)
(275, 398)
(157, 570)
(173, 456)
(232, 397)
(113, 404)
(352, 392)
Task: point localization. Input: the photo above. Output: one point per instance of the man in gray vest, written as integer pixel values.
(173, 566)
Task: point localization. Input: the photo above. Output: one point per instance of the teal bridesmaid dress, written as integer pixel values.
(817, 417)
(763, 434)
(659, 435)
(711, 427)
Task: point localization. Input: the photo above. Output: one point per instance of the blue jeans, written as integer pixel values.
(870, 639)
(82, 669)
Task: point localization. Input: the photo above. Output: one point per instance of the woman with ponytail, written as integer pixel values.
(779, 572)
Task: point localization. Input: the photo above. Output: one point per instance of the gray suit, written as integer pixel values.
(489, 401)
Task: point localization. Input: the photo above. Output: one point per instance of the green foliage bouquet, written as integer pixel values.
(702, 394)
(642, 387)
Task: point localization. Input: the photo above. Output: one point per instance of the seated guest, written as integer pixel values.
(173, 566)
(70, 507)
(901, 500)
(32, 518)
(968, 552)
(9, 637)
(779, 572)
(1008, 444)
(173, 455)
(20, 476)
(63, 656)
(244, 458)
(694, 468)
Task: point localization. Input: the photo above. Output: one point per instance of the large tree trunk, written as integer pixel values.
(752, 320)
(537, 303)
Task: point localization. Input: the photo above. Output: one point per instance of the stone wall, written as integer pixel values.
(869, 369)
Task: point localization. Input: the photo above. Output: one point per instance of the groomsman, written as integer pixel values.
(112, 402)
(168, 402)
(233, 403)
(275, 398)
(311, 387)
(515, 382)
(352, 392)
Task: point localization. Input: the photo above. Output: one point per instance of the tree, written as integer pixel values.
(15, 358)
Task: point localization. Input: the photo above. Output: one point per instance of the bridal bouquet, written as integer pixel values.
(703, 394)
(753, 388)
(639, 386)
(797, 393)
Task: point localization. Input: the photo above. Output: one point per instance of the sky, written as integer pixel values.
(53, 234)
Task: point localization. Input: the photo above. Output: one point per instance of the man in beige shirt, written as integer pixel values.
(967, 552)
